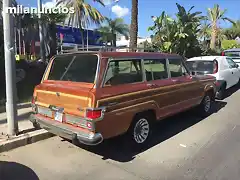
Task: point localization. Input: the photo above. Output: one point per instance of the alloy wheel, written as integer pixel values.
(141, 131)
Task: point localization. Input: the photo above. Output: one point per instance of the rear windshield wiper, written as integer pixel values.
(69, 65)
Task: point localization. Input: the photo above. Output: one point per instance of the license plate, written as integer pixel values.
(58, 116)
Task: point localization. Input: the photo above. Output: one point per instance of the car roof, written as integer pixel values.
(205, 58)
(232, 50)
(134, 55)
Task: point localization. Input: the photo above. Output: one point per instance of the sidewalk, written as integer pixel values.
(27, 133)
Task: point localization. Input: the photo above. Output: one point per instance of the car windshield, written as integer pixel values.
(233, 54)
(75, 68)
(206, 67)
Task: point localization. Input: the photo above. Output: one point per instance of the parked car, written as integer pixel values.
(89, 97)
(234, 54)
(225, 70)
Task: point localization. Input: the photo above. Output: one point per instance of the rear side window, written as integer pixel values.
(123, 72)
(75, 68)
(232, 54)
(155, 69)
(176, 68)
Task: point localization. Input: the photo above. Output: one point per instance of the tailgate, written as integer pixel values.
(72, 98)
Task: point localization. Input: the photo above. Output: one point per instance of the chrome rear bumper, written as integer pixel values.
(67, 131)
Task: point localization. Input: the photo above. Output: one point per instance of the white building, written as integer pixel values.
(123, 42)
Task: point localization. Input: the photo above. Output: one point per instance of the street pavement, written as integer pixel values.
(24, 111)
(185, 147)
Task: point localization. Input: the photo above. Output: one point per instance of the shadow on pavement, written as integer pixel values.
(232, 90)
(117, 149)
(16, 171)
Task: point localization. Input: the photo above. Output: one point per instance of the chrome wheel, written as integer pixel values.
(207, 103)
(141, 131)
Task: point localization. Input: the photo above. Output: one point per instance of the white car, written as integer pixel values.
(226, 71)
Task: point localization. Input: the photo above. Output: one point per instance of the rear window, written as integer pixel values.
(233, 54)
(201, 66)
(75, 68)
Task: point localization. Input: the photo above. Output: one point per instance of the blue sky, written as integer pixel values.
(148, 8)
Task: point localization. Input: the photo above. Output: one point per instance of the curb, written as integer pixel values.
(24, 139)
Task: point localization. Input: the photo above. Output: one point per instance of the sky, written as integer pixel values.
(148, 8)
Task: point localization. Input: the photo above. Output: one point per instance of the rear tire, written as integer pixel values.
(222, 92)
(206, 106)
(36, 125)
(140, 131)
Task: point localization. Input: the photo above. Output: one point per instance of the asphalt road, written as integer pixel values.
(184, 147)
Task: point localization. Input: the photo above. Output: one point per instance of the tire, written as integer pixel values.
(206, 106)
(36, 125)
(222, 92)
(140, 131)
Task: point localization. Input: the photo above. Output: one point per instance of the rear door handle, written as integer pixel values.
(175, 80)
(151, 85)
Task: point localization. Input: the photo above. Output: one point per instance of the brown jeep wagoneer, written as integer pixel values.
(91, 96)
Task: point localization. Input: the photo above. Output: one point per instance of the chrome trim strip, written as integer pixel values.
(168, 70)
(143, 71)
(48, 66)
(96, 80)
(105, 73)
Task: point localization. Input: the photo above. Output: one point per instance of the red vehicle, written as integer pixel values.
(92, 96)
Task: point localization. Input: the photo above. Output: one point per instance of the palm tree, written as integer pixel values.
(134, 25)
(84, 14)
(113, 27)
(51, 20)
(233, 32)
(214, 16)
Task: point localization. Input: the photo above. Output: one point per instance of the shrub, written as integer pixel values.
(229, 44)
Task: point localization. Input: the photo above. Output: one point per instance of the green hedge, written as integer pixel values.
(229, 44)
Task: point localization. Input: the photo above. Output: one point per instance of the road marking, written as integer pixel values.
(183, 145)
(233, 127)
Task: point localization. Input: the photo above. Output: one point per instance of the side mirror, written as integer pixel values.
(237, 66)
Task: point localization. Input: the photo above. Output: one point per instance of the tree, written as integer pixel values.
(134, 25)
(214, 16)
(177, 35)
(233, 32)
(84, 14)
(50, 21)
(111, 28)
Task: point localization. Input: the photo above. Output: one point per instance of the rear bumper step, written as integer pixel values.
(67, 131)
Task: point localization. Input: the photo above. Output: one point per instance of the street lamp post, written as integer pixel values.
(10, 70)
(42, 45)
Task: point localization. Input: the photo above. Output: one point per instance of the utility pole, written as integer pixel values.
(10, 70)
(42, 45)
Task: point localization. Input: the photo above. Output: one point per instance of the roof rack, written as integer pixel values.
(109, 49)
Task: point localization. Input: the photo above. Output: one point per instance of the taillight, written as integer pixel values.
(223, 54)
(215, 68)
(93, 114)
